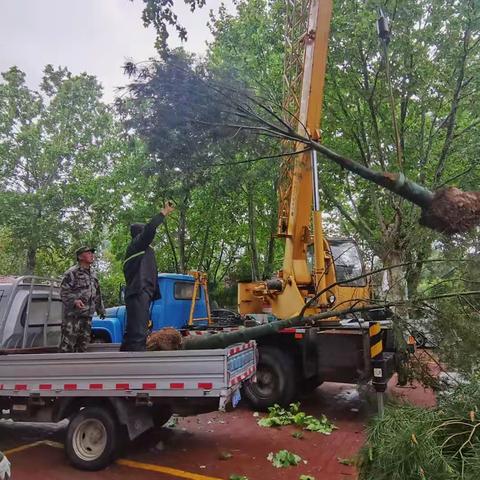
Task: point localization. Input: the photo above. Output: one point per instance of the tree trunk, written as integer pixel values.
(182, 225)
(31, 261)
(414, 271)
(270, 256)
(252, 234)
(397, 282)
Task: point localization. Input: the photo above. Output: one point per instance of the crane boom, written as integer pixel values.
(302, 191)
(300, 278)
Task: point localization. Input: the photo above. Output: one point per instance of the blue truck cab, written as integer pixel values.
(172, 309)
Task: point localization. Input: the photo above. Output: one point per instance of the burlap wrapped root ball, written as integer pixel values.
(165, 339)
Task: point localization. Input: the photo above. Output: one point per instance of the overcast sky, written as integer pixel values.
(93, 36)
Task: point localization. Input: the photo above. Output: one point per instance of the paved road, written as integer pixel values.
(192, 449)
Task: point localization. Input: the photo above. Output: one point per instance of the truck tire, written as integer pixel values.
(275, 380)
(91, 438)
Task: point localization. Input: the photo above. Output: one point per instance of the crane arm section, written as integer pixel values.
(297, 231)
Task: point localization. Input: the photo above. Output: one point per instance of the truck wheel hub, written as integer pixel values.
(89, 439)
(265, 384)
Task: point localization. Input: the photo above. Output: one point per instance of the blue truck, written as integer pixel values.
(172, 309)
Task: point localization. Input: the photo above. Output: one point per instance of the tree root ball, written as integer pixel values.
(452, 211)
(165, 339)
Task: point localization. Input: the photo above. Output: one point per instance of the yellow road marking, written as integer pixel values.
(161, 469)
(124, 462)
(21, 448)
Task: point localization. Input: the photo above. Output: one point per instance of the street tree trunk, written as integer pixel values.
(252, 235)
(31, 261)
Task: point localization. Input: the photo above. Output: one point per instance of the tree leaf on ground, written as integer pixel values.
(283, 459)
(278, 417)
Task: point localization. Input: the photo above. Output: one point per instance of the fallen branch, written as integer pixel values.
(223, 340)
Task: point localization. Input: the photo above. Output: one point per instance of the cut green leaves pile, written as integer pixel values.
(279, 417)
(283, 459)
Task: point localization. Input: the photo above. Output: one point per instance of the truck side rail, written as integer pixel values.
(181, 373)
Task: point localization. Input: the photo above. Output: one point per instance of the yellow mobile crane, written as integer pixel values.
(307, 271)
(312, 265)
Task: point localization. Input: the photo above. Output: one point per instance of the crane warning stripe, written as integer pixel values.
(376, 349)
(376, 344)
(374, 329)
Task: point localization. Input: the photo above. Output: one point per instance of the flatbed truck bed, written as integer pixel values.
(104, 392)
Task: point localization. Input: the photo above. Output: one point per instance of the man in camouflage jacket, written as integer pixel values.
(81, 297)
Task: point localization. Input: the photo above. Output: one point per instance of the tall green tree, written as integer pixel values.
(433, 58)
(57, 145)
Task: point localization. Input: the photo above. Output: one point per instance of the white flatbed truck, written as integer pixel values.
(105, 393)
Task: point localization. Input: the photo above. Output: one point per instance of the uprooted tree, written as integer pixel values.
(447, 210)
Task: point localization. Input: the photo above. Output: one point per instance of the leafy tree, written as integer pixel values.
(57, 145)
(161, 14)
(433, 59)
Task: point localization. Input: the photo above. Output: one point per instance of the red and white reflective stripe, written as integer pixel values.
(205, 385)
(44, 387)
(293, 330)
(177, 386)
(194, 333)
(241, 348)
(243, 376)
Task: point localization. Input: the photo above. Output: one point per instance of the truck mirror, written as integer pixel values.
(121, 294)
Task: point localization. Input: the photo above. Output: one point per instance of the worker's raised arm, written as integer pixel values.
(142, 241)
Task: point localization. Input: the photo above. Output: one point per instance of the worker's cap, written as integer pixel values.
(84, 249)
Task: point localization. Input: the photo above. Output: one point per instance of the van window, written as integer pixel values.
(38, 313)
(184, 291)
